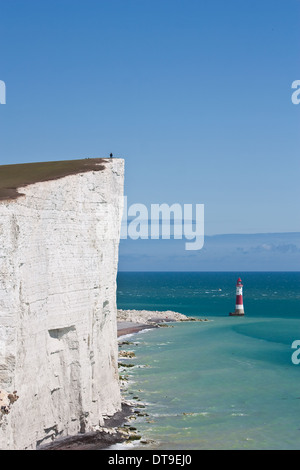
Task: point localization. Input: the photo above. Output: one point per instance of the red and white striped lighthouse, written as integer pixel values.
(239, 306)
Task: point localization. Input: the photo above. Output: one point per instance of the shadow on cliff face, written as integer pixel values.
(13, 177)
(97, 440)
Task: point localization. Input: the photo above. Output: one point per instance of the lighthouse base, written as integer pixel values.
(237, 313)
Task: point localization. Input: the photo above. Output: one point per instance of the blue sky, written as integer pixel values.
(194, 94)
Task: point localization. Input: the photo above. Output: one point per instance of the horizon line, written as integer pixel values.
(212, 271)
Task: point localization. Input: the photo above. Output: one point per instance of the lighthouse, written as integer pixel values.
(239, 307)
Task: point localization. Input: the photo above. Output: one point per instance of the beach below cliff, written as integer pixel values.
(133, 321)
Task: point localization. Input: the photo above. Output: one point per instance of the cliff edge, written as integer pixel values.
(59, 239)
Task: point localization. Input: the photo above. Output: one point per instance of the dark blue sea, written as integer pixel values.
(227, 383)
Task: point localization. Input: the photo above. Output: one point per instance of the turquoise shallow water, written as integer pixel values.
(228, 383)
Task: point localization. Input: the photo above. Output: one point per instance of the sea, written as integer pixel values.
(220, 384)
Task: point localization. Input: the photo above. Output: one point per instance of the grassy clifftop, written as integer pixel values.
(13, 177)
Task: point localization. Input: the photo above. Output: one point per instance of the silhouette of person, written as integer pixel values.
(111, 155)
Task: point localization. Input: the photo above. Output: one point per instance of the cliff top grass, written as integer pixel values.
(16, 176)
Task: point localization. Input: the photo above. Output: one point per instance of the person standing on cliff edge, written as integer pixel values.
(111, 155)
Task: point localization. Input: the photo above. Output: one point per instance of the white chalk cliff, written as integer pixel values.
(59, 245)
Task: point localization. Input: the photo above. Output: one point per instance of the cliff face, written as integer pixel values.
(58, 342)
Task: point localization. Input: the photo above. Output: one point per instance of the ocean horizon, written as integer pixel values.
(228, 383)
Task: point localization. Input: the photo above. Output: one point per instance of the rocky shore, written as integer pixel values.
(133, 321)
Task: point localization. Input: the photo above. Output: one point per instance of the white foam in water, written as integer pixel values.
(125, 445)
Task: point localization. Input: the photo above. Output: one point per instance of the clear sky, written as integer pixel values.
(194, 94)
